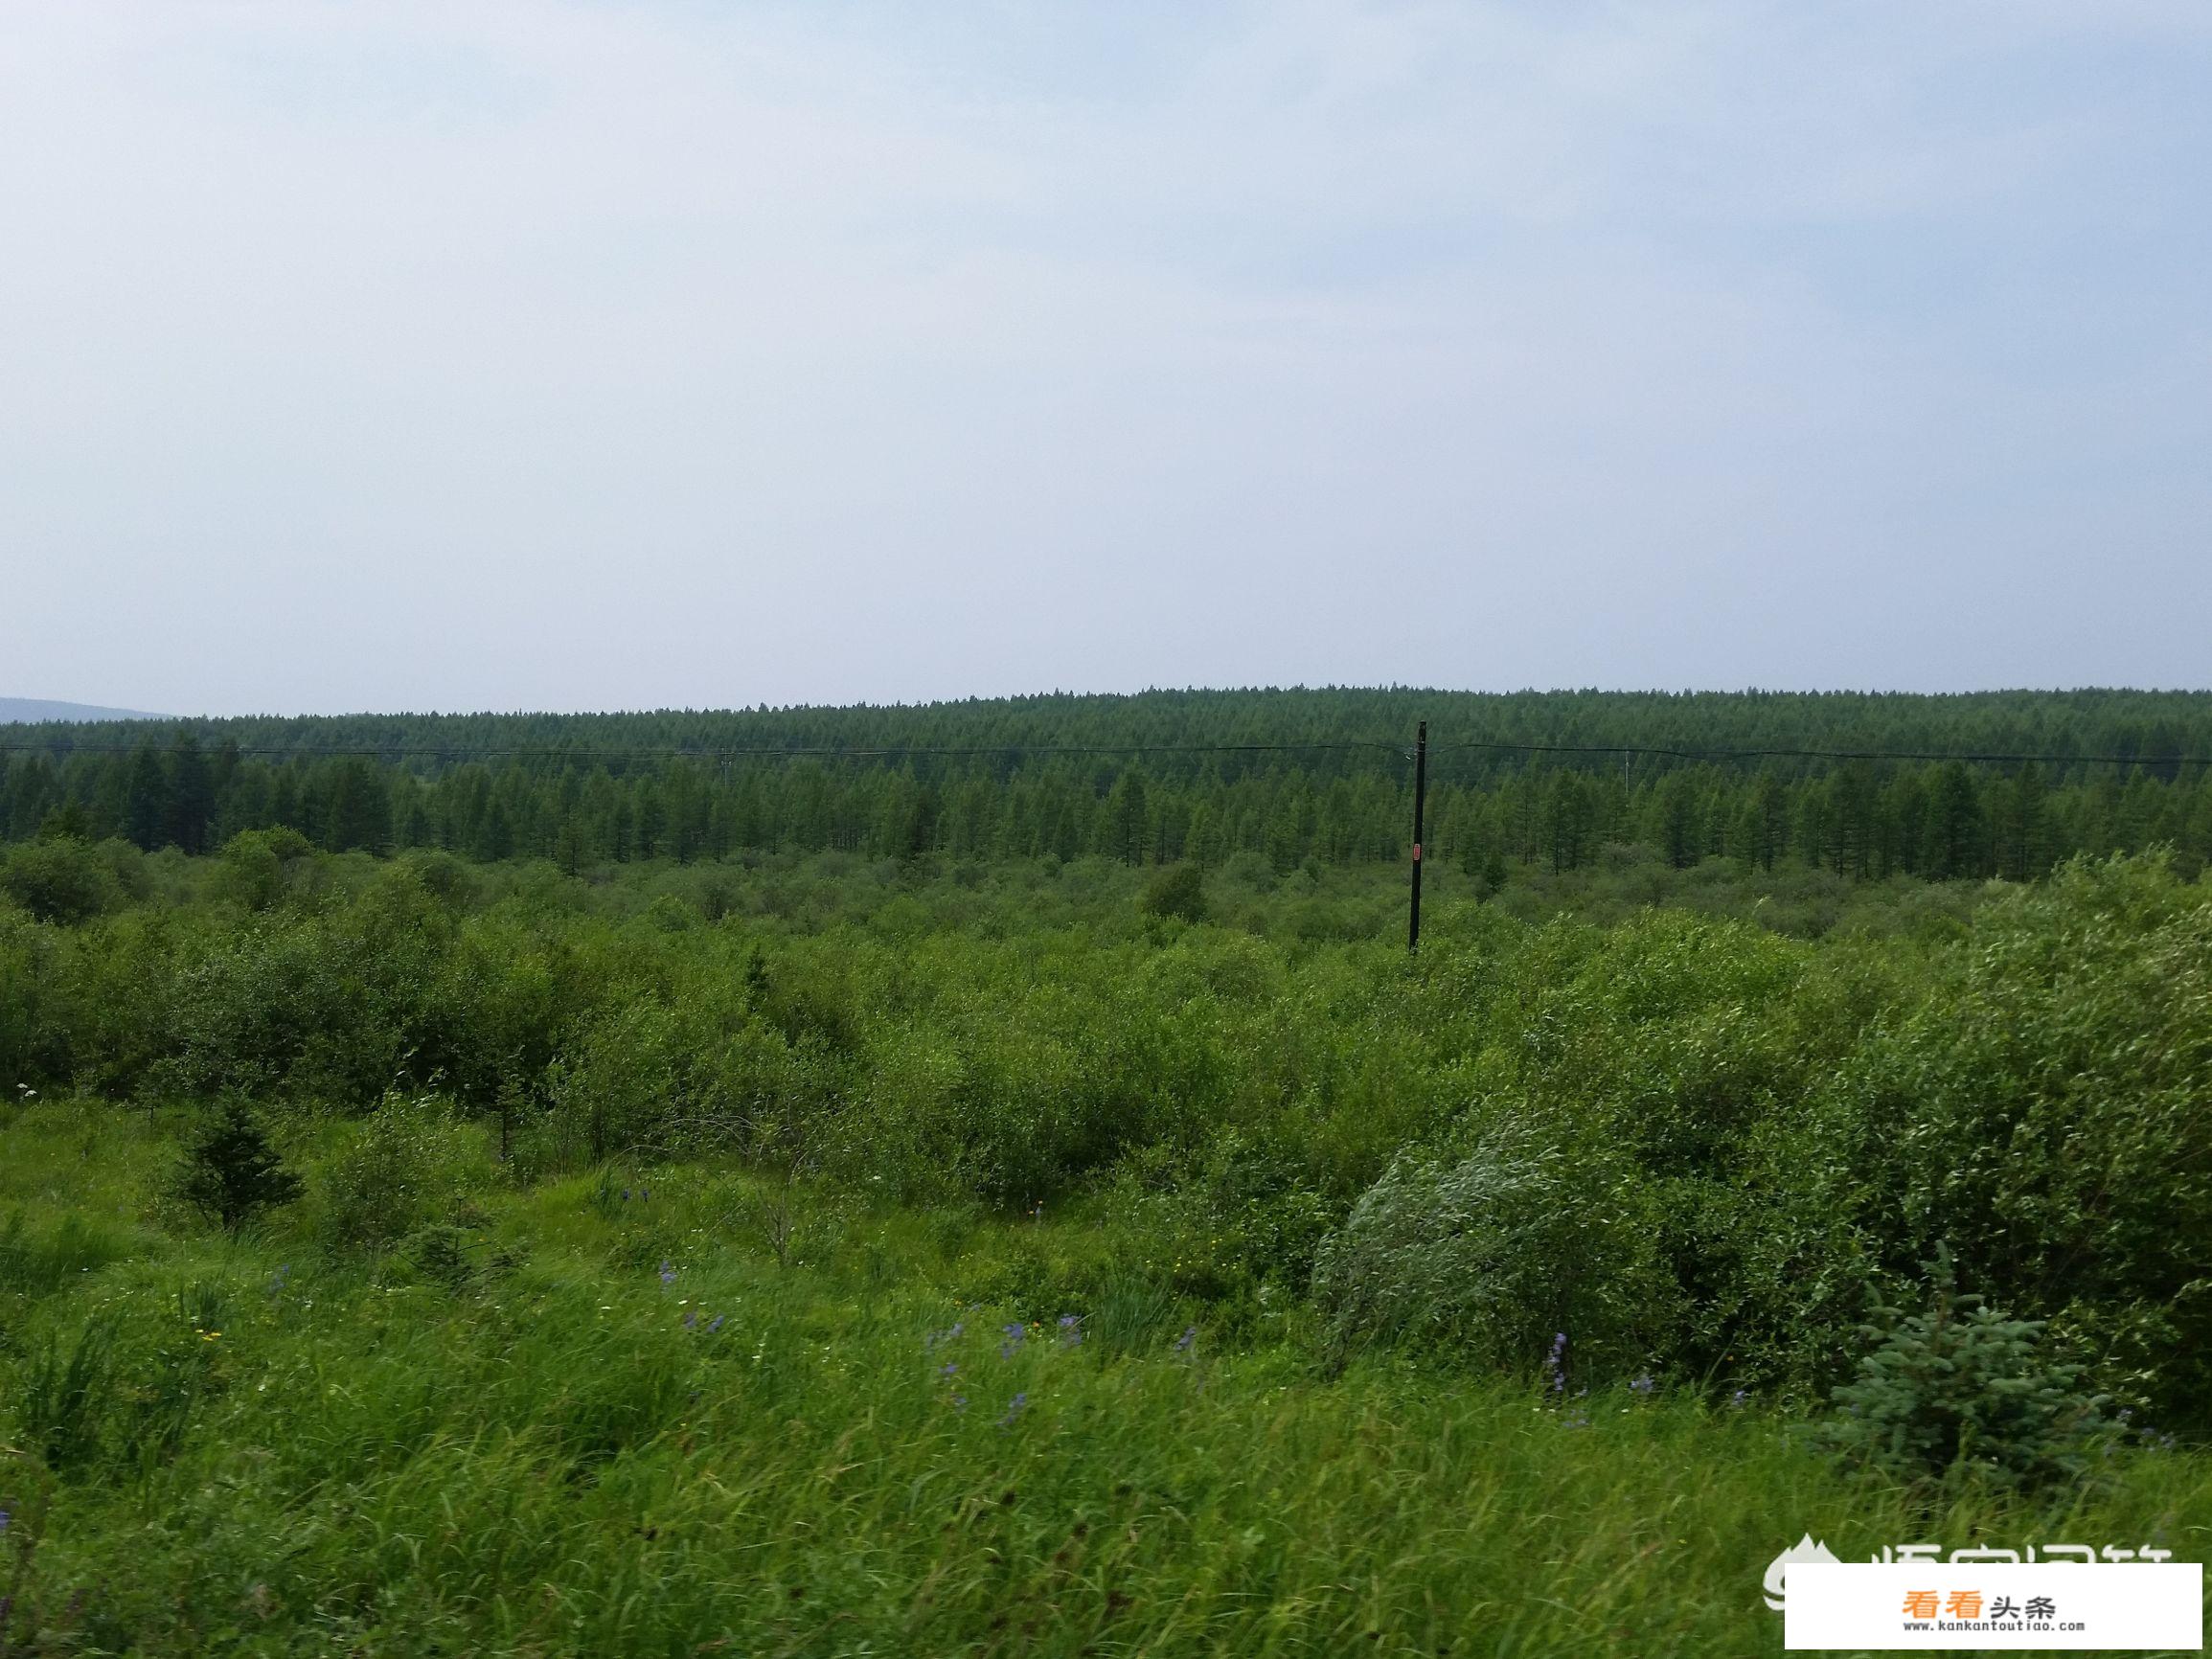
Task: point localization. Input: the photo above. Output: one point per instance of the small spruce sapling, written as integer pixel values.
(1961, 1387)
(231, 1172)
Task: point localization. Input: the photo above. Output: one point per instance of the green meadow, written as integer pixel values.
(834, 1257)
(542, 1448)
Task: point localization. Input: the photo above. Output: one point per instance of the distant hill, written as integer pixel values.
(29, 711)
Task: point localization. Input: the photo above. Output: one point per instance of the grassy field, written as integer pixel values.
(662, 1411)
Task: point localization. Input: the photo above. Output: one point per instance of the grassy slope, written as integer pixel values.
(548, 1460)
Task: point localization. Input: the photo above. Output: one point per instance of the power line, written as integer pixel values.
(463, 752)
(1609, 749)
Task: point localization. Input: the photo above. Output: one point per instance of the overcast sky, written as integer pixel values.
(506, 356)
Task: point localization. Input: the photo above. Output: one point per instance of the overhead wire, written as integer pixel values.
(464, 752)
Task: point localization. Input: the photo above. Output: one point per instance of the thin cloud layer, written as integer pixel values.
(593, 355)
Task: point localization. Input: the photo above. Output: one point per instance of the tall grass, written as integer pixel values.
(579, 1451)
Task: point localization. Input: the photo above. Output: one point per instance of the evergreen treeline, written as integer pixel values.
(1166, 776)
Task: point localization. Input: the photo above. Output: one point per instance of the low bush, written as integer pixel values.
(1488, 1258)
(1176, 893)
(1739, 1128)
(408, 1166)
(60, 879)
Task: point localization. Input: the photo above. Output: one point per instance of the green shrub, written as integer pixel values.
(618, 1090)
(1486, 1260)
(252, 870)
(1176, 892)
(59, 880)
(329, 1007)
(408, 1167)
(2045, 1112)
(34, 1046)
(1960, 1387)
(1230, 1226)
(440, 1253)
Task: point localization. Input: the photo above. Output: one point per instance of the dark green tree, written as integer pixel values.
(1121, 828)
(230, 1172)
(1570, 817)
(356, 810)
(145, 799)
(1952, 839)
(494, 838)
(1677, 811)
(191, 795)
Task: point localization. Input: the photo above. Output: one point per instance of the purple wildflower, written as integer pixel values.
(1555, 1366)
(714, 1325)
(1013, 1409)
(5, 1518)
(625, 1194)
(1187, 1341)
(1015, 1333)
(1071, 1329)
(668, 1273)
(691, 1319)
(947, 1369)
(1644, 1384)
(960, 1402)
(1740, 1399)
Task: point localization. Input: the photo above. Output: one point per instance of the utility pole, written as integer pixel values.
(1420, 800)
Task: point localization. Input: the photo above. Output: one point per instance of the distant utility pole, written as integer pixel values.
(1419, 801)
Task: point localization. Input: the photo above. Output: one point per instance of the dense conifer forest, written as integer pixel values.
(1867, 787)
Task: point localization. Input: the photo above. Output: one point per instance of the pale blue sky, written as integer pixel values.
(606, 355)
